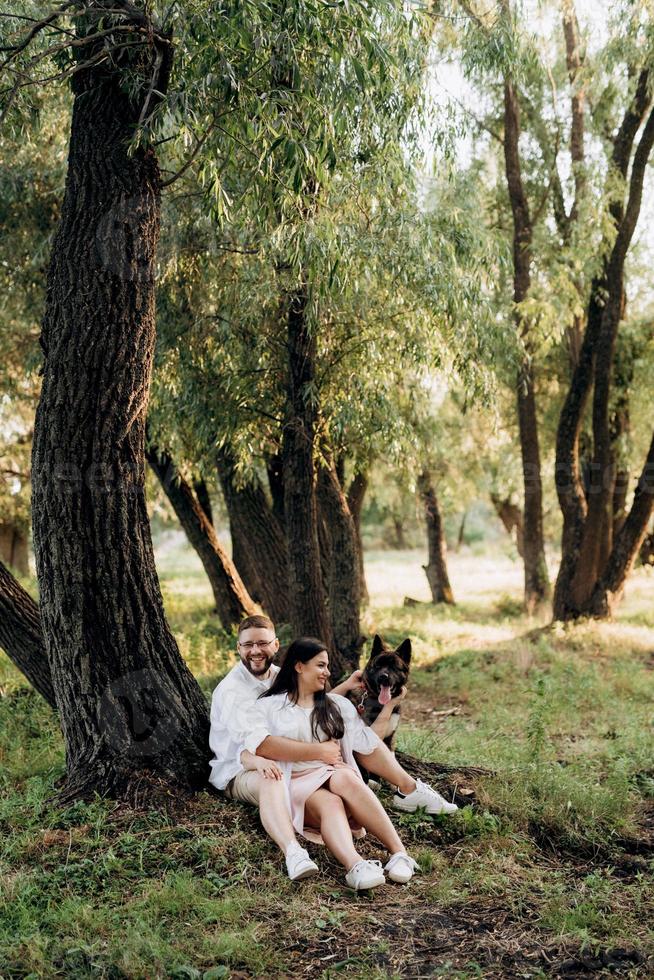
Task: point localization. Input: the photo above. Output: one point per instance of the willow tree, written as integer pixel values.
(126, 701)
(498, 56)
(569, 116)
(601, 538)
(329, 93)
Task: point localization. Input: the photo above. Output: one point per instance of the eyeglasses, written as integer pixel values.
(262, 644)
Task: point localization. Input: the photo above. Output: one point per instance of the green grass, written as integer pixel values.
(552, 862)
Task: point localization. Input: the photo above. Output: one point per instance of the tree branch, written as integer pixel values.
(41, 25)
(641, 157)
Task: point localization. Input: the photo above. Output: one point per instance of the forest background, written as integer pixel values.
(361, 283)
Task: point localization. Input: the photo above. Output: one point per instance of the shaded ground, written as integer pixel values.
(396, 931)
(546, 871)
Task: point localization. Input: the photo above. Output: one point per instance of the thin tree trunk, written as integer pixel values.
(436, 567)
(398, 526)
(309, 614)
(128, 704)
(230, 595)
(203, 498)
(344, 581)
(326, 550)
(259, 548)
(646, 550)
(511, 517)
(21, 637)
(537, 589)
(355, 497)
(14, 548)
(462, 528)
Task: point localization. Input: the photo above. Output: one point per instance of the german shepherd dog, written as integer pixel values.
(384, 676)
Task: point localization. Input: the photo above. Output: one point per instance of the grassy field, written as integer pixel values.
(547, 871)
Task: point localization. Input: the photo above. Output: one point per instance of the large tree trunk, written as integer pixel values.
(355, 497)
(14, 548)
(570, 484)
(608, 590)
(309, 614)
(588, 513)
(537, 588)
(259, 548)
(276, 484)
(128, 704)
(20, 635)
(620, 429)
(232, 600)
(344, 575)
(436, 567)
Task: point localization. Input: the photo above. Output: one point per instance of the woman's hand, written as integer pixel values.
(267, 768)
(353, 683)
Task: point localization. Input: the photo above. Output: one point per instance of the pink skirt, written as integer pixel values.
(303, 785)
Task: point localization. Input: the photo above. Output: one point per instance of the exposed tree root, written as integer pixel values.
(453, 781)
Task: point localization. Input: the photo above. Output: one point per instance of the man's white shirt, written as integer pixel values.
(232, 720)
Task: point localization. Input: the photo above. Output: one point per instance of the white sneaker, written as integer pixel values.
(400, 867)
(298, 863)
(423, 795)
(365, 874)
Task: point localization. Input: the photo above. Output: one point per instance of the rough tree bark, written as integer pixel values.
(436, 567)
(231, 597)
(259, 548)
(355, 497)
(308, 607)
(537, 589)
(202, 493)
(276, 484)
(343, 587)
(128, 705)
(620, 429)
(608, 589)
(21, 637)
(587, 547)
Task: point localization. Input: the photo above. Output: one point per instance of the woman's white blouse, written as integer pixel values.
(279, 716)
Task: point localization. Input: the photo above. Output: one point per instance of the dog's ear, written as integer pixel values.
(404, 651)
(377, 646)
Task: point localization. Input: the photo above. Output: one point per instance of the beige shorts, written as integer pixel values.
(244, 787)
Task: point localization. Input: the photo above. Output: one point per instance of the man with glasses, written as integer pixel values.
(256, 779)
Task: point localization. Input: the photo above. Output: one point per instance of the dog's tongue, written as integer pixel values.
(384, 695)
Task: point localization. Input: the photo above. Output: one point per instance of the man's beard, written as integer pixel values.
(260, 672)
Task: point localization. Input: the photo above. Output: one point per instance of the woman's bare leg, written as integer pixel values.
(382, 762)
(326, 811)
(273, 811)
(365, 808)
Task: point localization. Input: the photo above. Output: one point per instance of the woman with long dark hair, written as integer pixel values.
(328, 803)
